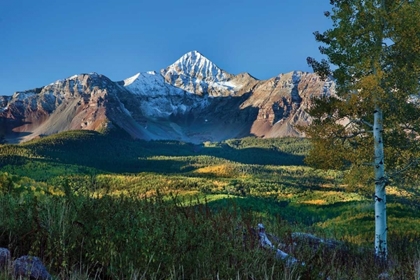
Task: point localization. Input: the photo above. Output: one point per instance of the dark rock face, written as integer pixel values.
(3, 101)
(192, 100)
(30, 267)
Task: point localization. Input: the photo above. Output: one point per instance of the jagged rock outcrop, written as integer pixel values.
(30, 267)
(24, 267)
(74, 103)
(5, 258)
(282, 102)
(191, 100)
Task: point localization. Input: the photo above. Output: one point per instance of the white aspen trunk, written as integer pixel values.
(381, 228)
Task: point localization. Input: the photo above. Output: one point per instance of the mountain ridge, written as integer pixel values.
(191, 100)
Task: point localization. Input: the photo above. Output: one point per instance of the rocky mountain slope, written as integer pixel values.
(191, 100)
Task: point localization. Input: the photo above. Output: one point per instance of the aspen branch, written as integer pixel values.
(359, 121)
(399, 6)
(409, 127)
(340, 135)
(366, 123)
(413, 162)
(349, 136)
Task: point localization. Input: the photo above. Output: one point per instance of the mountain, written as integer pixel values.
(191, 100)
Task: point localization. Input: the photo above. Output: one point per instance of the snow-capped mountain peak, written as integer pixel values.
(194, 73)
(194, 64)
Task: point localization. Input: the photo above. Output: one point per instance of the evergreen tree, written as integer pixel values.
(373, 53)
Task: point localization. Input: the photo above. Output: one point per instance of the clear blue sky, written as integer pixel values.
(42, 41)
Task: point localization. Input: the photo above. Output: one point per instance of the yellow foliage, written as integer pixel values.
(219, 185)
(398, 192)
(315, 202)
(222, 170)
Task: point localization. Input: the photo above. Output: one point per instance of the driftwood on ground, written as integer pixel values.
(266, 243)
(297, 239)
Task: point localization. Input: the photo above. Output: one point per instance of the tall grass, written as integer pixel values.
(118, 237)
(129, 237)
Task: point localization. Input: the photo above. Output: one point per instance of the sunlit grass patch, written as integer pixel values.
(215, 197)
(222, 170)
(315, 202)
(404, 226)
(398, 191)
(326, 197)
(357, 228)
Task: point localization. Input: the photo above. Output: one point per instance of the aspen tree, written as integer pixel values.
(373, 53)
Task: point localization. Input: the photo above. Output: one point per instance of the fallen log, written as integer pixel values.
(314, 241)
(281, 255)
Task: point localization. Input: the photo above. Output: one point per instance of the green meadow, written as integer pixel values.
(103, 206)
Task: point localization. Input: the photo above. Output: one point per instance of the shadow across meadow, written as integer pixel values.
(122, 155)
(284, 209)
